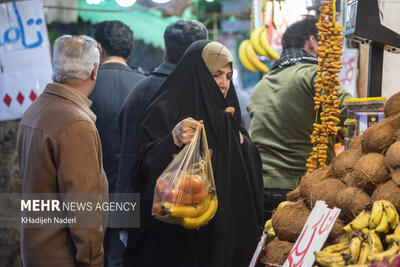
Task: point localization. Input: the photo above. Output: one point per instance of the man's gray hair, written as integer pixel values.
(74, 58)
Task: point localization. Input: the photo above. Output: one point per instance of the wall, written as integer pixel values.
(391, 62)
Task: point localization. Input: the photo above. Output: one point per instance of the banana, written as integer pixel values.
(268, 228)
(256, 43)
(251, 54)
(265, 44)
(243, 56)
(358, 223)
(392, 238)
(388, 254)
(194, 223)
(340, 247)
(355, 247)
(364, 251)
(283, 204)
(268, 225)
(376, 214)
(328, 259)
(397, 230)
(183, 211)
(374, 242)
(383, 226)
(391, 212)
(271, 231)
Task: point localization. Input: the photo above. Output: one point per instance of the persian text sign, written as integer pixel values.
(25, 66)
(349, 72)
(313, 236)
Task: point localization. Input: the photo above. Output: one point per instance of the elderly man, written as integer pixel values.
(60, 152)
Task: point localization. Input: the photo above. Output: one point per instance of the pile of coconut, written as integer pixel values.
(368, 171)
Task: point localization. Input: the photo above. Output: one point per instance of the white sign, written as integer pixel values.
(25, 66)
(313, 236)
(349, 72)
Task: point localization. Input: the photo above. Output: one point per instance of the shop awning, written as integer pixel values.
(147, 24)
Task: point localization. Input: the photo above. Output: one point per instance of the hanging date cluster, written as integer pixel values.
(326, 85)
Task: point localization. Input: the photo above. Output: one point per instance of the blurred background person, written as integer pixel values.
(177, 38)
(282, 113)
(115, 81)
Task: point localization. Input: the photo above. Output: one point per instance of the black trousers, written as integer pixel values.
(272, 198)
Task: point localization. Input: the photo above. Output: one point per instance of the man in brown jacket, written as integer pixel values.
(60, 152)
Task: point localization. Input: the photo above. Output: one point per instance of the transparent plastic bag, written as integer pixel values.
(185, 192)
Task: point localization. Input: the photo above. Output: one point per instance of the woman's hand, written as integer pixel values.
(185, 130)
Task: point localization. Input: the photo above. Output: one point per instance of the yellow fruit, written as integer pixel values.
(265, 44)
(255, 41)
(251, 54)
(197, 222)
(183, 211)
(243, 56)
(376, 214)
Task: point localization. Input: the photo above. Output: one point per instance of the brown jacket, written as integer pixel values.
(60, 152)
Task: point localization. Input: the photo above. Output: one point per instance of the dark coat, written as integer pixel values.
(113, 84)
(130, 118)
(230, 238)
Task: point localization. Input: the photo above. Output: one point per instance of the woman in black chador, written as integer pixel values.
(199, 90)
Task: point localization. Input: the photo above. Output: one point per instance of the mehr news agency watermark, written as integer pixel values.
(69, 210)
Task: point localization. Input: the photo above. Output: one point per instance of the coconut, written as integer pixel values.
(344, 162)
(393, 155)
(393, 161)
(348, 179)
(355, 143)
(289, 220)
(370, 171)
(325, 190)
(392, 106)
(294, 195)
(351, 200)
(277, 251)
(313, 178)
(380, 136)
(388, 191)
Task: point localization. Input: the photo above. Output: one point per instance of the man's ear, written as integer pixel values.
(165, 54)
(93, 76)
(101, 49)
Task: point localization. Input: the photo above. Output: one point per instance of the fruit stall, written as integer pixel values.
(364, 180)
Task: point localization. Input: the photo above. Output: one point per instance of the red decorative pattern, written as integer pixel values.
(32, 95)
(20, 98)
(7, 100)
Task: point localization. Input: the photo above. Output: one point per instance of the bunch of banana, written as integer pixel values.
(325, 258)
(326, 84)
(383, 217)
(257, 45)
(362, 245)
(197, 222)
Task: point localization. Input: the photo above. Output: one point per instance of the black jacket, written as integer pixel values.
(131, 116)
(114, 82)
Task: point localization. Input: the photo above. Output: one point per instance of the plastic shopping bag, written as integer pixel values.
(185, 192)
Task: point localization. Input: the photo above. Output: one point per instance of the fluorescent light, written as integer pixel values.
(93, 2)
(161, 1)
(125, 3)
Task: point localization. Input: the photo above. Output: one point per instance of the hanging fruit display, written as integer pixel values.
(326, 84)
(257, 45)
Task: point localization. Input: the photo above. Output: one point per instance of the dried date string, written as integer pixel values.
(326, 85)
